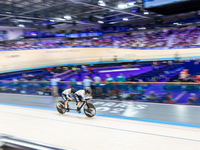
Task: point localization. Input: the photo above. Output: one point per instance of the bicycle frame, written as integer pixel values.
(84, 102)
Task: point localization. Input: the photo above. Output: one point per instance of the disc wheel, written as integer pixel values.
(89, 110)
(60, 106)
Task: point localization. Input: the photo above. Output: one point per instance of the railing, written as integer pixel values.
(158, 92)
(13, 143)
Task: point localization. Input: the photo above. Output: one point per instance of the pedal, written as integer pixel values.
(79, 111)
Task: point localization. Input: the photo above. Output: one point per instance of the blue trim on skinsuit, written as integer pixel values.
(153, 59)
(113, 116)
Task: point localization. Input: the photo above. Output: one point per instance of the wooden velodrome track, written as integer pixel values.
(76, 131)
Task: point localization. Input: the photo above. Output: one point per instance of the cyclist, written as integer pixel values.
(82, 95)
(67, 96)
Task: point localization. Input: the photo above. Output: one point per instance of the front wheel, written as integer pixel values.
(60, 106)
(89, 110)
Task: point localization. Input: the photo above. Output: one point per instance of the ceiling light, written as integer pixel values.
(142, 28)
(131, 4)
(125, 19)
(68, 17)
(99, 17)
(21, 25)
(52, 20)
(146, 13)
(101, 3)
(60, 19)
(100, 21)
(122, 6)
(112, 22)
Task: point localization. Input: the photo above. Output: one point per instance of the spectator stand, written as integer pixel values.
(168, 38)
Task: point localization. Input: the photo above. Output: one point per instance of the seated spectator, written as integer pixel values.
(24, 76)
(130, 78)
(90, 69)
(192, 98)
(84, 68)
(74, 69)
(50, 69)
(197, 78)
(152, 96)
(140, 91)
(182, 77)
(15, 83)
(170, 98)
(59, 70)
(162, 75)
(65, 68)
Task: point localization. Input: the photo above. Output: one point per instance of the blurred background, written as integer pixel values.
(144, 51)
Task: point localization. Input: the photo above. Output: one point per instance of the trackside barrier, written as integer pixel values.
(158, 92)
(10, 142)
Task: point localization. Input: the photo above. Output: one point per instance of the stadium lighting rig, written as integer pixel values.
(126, 5)
(125, 19)
(100, 22)
(21, 25)
(67, 17)
(101, 3)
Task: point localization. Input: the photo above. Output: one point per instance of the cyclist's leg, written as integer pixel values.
(79, 104)
(79, 100)
(78, 108)
(66, 100)
(66, 103)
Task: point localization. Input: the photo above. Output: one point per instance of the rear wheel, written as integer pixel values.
(60, 106)
(89, 110)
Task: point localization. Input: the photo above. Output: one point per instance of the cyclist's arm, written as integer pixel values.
(69, 97)
(67, 93)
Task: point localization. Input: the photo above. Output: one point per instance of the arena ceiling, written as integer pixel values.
(38, 12)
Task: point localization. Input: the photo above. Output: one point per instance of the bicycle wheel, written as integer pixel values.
(89, 110)
(60, 106)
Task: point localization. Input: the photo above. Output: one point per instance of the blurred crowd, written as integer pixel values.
(110, 86)
(157, 38)
(185, 37)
